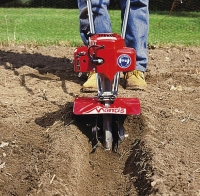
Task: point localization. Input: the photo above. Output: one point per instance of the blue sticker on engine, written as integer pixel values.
(124, 61)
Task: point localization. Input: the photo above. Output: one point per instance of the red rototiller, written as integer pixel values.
(107, 56)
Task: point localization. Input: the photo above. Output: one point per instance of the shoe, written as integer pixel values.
(91, 83)
(135, 80)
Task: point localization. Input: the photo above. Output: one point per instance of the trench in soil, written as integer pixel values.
(102, 172)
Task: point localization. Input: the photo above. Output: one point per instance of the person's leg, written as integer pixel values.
(137, 37)
(101, 18)
(137, 30)
(102, 24)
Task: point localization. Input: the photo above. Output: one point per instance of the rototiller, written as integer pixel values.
(107, 56)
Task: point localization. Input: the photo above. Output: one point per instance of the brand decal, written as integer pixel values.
(104, 110)
(124, 61)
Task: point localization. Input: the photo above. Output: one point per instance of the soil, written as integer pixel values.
(46, 150)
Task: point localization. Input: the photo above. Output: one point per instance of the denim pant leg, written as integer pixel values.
(137, 30)
(101, 17)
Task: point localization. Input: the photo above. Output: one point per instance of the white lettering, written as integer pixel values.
(104, 110)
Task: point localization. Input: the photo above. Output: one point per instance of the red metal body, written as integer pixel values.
(86, 105)
(116, 56)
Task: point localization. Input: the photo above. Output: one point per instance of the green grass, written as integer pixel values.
(41, 26)
(176, 29)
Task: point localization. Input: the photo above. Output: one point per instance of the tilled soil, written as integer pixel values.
(46, 150)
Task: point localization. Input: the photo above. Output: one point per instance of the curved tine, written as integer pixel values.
(84, 13)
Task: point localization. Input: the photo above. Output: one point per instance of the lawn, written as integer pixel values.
(177, 29)
(39, 26)
(42, 26)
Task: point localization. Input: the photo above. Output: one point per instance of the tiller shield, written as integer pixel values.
(124, 106)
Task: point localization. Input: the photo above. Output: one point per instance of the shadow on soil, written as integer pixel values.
(61, 68)
(65, 115)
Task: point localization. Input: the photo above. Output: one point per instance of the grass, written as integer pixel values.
(175, 29)
(41, 26)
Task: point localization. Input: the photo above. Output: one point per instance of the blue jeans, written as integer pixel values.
(137, 27)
